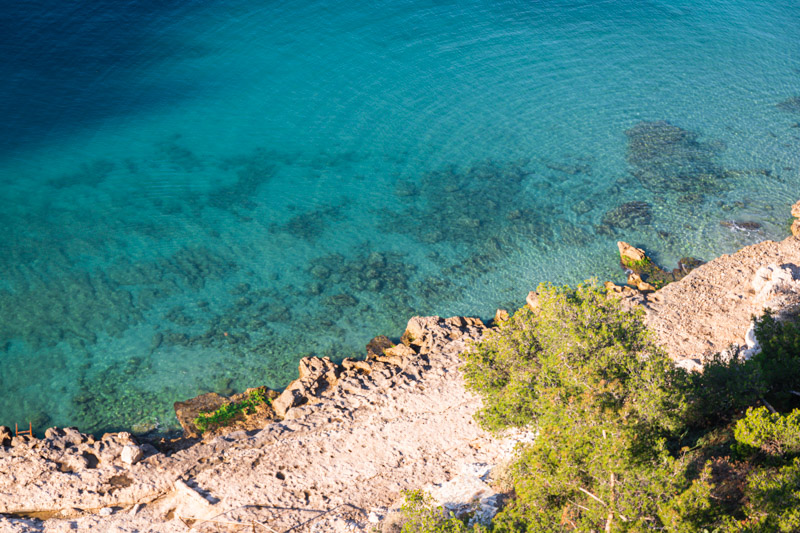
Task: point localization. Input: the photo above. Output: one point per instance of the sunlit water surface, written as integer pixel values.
(198, 194)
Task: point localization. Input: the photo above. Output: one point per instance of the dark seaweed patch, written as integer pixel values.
(630, 215)
(790, 105)
(667, 158)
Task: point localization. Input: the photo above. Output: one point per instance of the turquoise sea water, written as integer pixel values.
(197, 194)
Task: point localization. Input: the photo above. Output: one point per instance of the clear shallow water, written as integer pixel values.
(196, 196)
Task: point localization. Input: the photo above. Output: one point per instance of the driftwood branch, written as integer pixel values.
(771, 409)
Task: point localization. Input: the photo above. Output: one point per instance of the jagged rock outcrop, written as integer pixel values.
(188, 411)
(373, 429)
(644, 274)
(316, 376)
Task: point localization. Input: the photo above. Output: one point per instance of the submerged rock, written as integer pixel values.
(626, 216)
(790, 105)
(740, 225)
(664, 157)
(376, 346)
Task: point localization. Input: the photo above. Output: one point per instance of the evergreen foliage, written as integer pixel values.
(627, 441)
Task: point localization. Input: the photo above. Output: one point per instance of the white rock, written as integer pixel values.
(773, 279)
(469, 492)
(753, 347)
(690, 365)
(106, 511)
(131, 454)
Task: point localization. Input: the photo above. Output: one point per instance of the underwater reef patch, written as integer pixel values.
(252, 171)
(89, 175)
(310, 225)
(790, 105)
(667, 158)
(625, 217)
(470, 205)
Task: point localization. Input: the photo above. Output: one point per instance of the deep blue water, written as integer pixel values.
(197, 194)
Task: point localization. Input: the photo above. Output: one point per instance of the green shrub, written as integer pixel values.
(771, 433)
(628, 442)
(420, 515)
(778, 362)
(604, 398)
(580, 344)
(725, 387)
(773, 500)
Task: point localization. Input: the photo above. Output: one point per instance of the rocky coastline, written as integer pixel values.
(334, 450)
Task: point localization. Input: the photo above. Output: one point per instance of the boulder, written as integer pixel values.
(796, 209)
(423, 332)
(5, 436)
(131, 454)
(187, 411)
(796, 228)
(635, 261)
(400, 350)
(501, 315)
(774, 281)
(634, 280)
(376, 346)
(533, 301)
(396, 355)
(632, 254)
(355, 364)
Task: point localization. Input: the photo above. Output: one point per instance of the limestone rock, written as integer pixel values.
(188, 410)
(649, 276)
(633, 254)
(131, 454)
(712, 307)
(623, 290)
(359, 366)
(400, 350)
(422, 333)
(501, 315)
(796, 209)
(469, 495)
(376, 346)
(316, 376)
(635, 280)
(796, 228)
(396, 355)
(5, 435)
(533, 301)
(772, 281)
